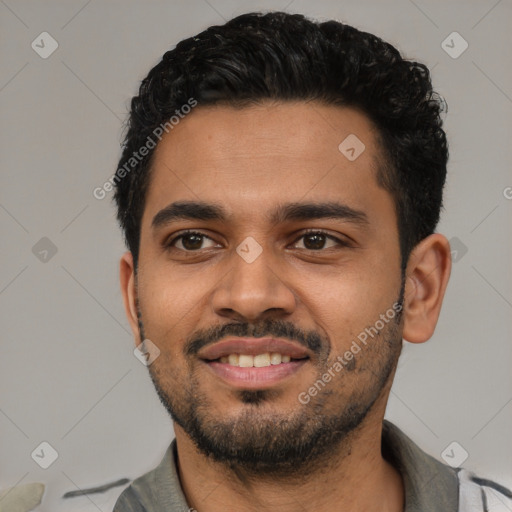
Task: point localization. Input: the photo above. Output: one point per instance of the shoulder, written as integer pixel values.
(428, 481)
(478, 494)
(157, 490)
(128, 501)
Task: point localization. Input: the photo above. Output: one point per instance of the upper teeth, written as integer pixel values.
(260, 360)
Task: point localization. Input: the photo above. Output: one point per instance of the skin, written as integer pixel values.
(250, 160)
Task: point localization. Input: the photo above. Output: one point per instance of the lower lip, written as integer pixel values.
(255, 378)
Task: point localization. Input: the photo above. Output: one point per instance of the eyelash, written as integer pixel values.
(168, 245)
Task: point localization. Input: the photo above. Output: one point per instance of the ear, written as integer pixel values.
(129, 291)
(428, 271)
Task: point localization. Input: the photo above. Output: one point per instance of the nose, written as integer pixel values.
(253, 290)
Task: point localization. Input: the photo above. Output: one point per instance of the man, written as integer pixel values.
(279, 188)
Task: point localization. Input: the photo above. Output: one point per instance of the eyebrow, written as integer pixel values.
(198, 210)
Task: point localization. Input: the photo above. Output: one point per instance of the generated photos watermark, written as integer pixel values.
(342, 361)
(137, 156)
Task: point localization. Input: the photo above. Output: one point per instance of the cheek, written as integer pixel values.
(346, 302)
(168, 300)
(169, 312)
(169, 370)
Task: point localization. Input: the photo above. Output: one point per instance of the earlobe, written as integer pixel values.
(129, 291)
(428, 272)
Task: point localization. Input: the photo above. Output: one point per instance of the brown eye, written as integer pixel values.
(316, 240)
(192, 242)
(189, 241)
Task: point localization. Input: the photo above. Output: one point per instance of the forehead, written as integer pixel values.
(250, 158)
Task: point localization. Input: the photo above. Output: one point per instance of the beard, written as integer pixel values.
(260, 439)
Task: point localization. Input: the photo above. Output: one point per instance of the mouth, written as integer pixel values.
(254, 363)
(258, 361)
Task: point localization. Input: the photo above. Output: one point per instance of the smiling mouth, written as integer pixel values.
(261, 371)
(254, 363)
(257, 361)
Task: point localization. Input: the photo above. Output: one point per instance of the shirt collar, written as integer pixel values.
(429, 484)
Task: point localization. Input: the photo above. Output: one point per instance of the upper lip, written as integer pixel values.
(253, 346)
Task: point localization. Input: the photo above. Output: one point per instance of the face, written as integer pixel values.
(286, 273)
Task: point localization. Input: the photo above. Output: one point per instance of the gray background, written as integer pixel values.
(68, 375)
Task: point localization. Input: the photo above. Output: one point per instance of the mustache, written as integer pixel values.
(268, 328)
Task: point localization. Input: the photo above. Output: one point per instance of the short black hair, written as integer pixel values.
(288, 57)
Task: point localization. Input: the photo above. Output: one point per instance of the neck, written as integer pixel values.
(355, 477)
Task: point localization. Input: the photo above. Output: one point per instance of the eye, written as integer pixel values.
(192, 241)
(189, 241)
(316, 240)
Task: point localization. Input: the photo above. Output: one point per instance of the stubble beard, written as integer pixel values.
(258, 441)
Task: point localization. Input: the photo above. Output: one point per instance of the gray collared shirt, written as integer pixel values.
(429, 484)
